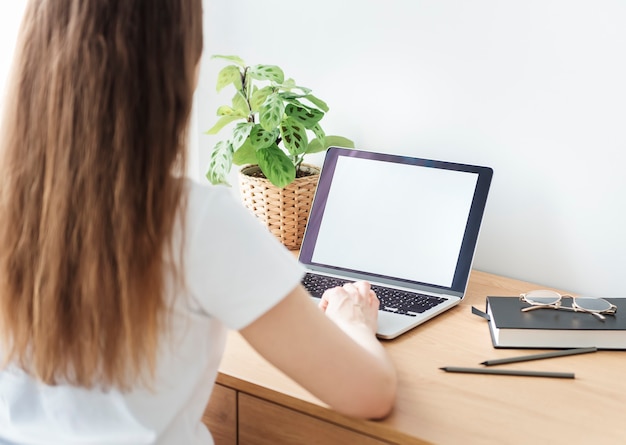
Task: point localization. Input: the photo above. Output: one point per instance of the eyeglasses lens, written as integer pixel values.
(542, 297)
(592, 304)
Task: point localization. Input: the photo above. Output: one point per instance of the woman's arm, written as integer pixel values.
(333, 351)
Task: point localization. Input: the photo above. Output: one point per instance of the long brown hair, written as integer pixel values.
(95, 124)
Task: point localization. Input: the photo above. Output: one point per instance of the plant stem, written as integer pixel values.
(245, 91)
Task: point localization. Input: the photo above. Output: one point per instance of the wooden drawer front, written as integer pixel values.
(266, 423)
(221, 415)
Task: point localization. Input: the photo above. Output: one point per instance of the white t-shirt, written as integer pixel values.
(235, 271)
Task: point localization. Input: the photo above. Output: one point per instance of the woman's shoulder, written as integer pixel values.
(214, 211)
(203, 200)
(198, 193)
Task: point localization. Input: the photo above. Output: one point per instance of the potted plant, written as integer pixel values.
(275, 123)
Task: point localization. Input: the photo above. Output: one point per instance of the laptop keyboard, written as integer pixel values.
(391, 300)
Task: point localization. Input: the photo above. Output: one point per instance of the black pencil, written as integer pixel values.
(516, 372)
(525, 358)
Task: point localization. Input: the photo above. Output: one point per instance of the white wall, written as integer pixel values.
(535, 89)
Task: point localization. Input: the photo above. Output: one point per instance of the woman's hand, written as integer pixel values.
(353, 303)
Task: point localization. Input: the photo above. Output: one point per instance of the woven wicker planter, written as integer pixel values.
(283, 211)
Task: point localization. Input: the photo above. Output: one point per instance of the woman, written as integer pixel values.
(118, 278)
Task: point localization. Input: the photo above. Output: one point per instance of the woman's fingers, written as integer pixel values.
(354, 302)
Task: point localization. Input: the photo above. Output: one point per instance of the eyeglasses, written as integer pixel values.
(547, 299)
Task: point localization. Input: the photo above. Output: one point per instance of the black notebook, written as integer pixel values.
(550, 328)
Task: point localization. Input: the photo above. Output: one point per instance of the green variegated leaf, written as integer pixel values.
(294, 136)
(267, 72)
(241, 133)
(225, 110)
(276, 166)
(290, 96)
(319, 134)
(315, 146)
(235, 59)
(245, 155)
(308, 118)
(338, 141)
(229, 74)
(317, 102)
(303, 90)
(221, 123)
(240, 104)
(288, 84)
(271, 112)
(220, 162)
(261, 138)
(259, 97)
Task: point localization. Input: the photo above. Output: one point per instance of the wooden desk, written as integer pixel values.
(256, 404)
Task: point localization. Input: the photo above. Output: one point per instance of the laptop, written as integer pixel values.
(407, 225)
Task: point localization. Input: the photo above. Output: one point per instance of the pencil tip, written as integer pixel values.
(483, 363)
(443, 369)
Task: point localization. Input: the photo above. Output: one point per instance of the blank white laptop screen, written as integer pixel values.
(367, 214)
